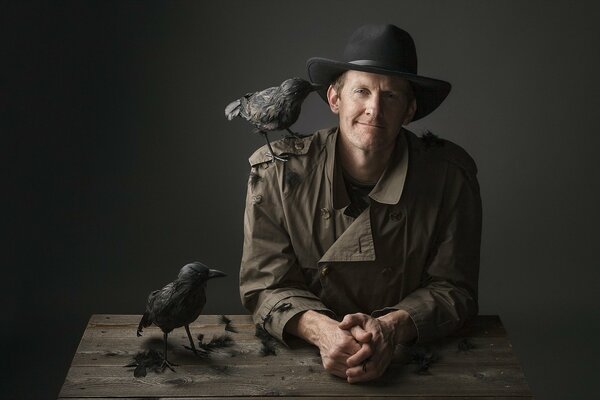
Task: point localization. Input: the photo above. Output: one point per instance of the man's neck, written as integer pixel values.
(364, 167)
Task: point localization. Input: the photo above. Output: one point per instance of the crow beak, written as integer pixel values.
(215, 273)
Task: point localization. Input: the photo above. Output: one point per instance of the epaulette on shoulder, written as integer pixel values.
(289, 146)
(449, 151)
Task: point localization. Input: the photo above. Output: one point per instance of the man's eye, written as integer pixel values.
(360, 91)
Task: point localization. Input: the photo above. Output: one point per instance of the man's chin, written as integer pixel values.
(373, 146)
(374, 138)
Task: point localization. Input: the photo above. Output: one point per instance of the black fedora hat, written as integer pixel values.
(382, 49)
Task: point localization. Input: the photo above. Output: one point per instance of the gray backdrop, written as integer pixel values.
(121, 166)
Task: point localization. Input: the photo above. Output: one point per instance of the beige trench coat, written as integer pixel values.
(416, 247)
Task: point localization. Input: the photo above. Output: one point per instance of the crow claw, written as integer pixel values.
(166, 364)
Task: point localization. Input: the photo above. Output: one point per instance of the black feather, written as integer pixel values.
(291, 179)
(431, 140)
(268, 349)
(283, 307)
(423, 357)
(231, 328)
(146, 360)
(465, 345)
(254, 179)
(217, 342)
(228, 325)
(279, 308)
(268, 342)
(140, 371)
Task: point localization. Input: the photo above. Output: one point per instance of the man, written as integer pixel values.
(365, 223)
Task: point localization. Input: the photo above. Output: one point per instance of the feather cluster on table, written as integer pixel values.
(149, 360)
(423, 357)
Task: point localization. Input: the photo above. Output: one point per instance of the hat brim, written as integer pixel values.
(429, 92)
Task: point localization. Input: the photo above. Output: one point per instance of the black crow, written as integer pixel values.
(179, 303)
(272, 109)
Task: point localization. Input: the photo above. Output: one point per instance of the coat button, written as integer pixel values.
(324, 271)
(257, 199)
(299, 145)
(325, 213)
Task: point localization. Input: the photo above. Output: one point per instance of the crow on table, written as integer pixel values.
(179, 303)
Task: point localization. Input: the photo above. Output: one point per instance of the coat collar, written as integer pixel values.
(388, 189)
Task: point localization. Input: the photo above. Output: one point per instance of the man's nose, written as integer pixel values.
(373, 106)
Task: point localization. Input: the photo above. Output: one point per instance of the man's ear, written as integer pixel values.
(333, 98)
(410, 112)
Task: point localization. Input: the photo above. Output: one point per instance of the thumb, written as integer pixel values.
(349, 321)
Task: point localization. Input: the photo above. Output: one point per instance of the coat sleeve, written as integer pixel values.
(448, 293)
(272, 286)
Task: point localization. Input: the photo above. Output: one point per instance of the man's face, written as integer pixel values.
(372, 108)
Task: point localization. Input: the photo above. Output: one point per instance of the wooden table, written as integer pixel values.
(488, 370)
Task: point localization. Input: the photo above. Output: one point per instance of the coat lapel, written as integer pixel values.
(355, 244)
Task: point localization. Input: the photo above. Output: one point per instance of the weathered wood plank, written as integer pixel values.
(127, 331)
(316, 397)
(133, 320)
(482, 325)
(307, 380)
(116, 351)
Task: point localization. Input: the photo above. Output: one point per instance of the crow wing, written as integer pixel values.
(261, 108)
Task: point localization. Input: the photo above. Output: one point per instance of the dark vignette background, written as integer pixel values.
(119, 167)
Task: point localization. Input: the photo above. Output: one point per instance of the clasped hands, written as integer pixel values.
(360, 348)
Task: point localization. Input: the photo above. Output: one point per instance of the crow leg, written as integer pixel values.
(166, 363)
(271, 152)
(187, 329)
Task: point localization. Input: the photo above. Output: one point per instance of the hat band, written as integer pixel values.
(373, 63)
